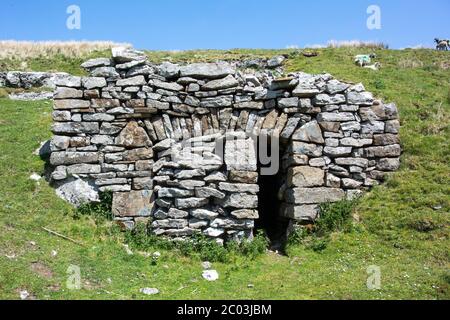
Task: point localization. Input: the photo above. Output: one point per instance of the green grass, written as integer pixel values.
(54, 63)
(401, 226)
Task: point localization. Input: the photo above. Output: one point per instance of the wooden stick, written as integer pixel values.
(63, 236)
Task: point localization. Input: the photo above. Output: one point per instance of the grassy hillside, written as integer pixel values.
(401, 227)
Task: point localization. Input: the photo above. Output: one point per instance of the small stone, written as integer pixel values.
(305, 176)
(83, 169)
(305, 89)
(189, 203)
(335, 117)
(254, 105)
(383, 151)
(68, 93)
(106, 72)
(385, 139)
(214, 232)
(60, 173)
(360, 98)
(175, 213)
(132, 204)
(71, 104)
(217, 102)
(372, 127)
(314, 195)
(124, 54)
(216, 177)
(203, 214)
(301, 213)
(174, 193)
(302, 148)
(172, 86)
(245, 214)
(189, 174)
(337, 152)
(149, 291)
(207, 70)
(24, 295)
(65, 80)
(205, 192)
(133, 81)
(225, 83)
(288, 102)
(275, 62)
(392, 126)
(239, 187)
(94, 82)
(77, 192)
(351, 142)
(35, 177)
(99, 62)
(309, 132)
(388, 164)
(60, 158)
(197, 223)
(325, 99)
(250, 177)
(351, 183)
(241, 201)
(210, 275)
(133, 136)
(335, 86)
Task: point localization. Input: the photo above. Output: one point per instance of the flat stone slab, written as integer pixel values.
(132, 204)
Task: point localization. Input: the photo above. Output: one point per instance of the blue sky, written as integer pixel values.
(225, 24)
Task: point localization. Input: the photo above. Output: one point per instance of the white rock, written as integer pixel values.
(24, 294)
(156, 255)
(124, 54)
(149, 291)
(35, 177)
(77, 192)
(214, 232)
(210, 275)
(127, 249)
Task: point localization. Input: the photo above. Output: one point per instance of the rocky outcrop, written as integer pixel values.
(27, 80)
(180, 145)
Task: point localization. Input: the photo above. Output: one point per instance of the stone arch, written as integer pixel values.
(178, 145)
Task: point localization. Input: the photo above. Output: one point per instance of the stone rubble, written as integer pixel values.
(153, 136)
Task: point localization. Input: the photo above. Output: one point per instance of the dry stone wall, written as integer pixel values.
(179, 145)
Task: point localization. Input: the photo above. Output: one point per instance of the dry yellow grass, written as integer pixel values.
(410, 63)
(356, 44)
(31, 49)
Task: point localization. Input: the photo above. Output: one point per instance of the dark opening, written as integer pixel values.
(269, 206)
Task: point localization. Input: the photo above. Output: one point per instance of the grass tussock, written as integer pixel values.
(198, 247)
(10, 49)
(333, 44)
(334, 217)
